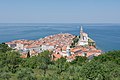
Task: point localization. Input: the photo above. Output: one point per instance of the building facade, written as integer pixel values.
(83, 38)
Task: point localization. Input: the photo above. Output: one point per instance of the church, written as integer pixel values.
(84, 39)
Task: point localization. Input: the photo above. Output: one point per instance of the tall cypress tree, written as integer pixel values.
(28, 54)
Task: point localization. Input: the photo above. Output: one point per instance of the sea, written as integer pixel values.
(106, 35)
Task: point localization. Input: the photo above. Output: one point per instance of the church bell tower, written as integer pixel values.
(83, 38)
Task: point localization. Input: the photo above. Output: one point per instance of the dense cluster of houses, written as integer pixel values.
(59, 44)
(51, 43)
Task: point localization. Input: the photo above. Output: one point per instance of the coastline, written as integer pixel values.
(61, 45)
(32, 32)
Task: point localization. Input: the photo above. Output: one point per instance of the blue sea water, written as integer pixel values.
(107, 36)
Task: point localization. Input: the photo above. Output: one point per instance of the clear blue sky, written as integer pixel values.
(59, 11)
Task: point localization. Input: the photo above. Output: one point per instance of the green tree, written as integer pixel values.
(10, 59)
(79, 60)
(5, 76)
(75, 41)
(26, 74)
(4, 48)
(103, 67)
(61, 65)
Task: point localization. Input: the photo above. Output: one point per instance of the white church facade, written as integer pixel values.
(83, 38)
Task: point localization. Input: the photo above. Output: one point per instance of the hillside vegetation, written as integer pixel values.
(103, 67)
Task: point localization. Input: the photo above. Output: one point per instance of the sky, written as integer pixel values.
(59, 11)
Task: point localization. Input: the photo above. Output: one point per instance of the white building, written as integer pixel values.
(47, 47)
(68, 51)
(19, 46)
(36, 48)
(12, 45)
(83, 38)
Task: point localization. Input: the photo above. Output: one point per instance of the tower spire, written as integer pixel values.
(81, 29)
(81, 33)
(83, 38)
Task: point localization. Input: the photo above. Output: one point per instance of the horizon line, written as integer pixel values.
(57, 23)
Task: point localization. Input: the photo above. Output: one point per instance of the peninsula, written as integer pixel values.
(62, 45)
